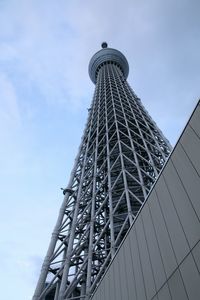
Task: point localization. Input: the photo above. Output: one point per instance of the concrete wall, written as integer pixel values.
(160, 256)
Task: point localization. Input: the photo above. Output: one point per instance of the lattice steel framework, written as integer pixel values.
(120, 156)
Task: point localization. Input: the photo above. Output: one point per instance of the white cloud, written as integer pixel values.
(9, 109)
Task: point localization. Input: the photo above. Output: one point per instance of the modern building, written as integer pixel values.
(159, 258)
(103, 243)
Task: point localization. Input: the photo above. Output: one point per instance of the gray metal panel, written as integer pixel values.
(103, 289)
(129, 270)
(122, 273)
(97, 295)
(145, 261)
(157, 263)
(191, 278)
(164, 293)
(195, 121)
(176, 287)
(107, 279)
(196, 255)
(162, 236)
(118, 295)
(182, 203)
(191, 144)
(189, 177)
(111, 283)
(107, 285)
(137, 266)
(100, 292)
(112, 276)
(173, 224)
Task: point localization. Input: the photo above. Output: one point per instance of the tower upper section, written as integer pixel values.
(106, 55)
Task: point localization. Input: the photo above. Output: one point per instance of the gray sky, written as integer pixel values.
(45, 90)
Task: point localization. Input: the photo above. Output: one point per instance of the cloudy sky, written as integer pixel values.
(45, 90)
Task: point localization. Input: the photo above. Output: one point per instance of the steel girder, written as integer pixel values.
(120, 156)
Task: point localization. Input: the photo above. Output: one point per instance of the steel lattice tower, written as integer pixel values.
(121, 154)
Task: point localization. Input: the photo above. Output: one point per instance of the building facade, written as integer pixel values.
(121, 155)
(159, 259)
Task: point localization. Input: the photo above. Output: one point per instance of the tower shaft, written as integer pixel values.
(120, 156)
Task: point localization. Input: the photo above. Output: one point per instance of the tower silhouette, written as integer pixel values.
(121, 154)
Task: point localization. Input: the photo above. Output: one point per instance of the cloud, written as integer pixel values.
(37, 51)
(9, 109)
(52, 45)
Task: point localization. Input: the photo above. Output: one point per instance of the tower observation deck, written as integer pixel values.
(120, 156)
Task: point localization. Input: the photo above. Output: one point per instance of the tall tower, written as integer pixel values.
(121, 154)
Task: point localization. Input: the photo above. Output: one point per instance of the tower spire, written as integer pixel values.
(104, 45)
